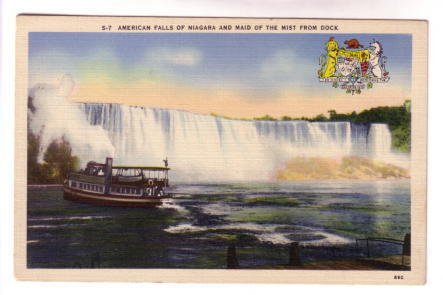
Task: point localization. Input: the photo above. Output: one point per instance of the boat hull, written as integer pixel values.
(110, 200)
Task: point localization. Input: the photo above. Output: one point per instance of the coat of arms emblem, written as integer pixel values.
(353, 68)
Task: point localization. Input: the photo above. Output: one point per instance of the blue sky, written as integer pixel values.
(255, 66)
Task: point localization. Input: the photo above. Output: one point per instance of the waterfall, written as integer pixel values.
(379, 139)
(204, 147)
(199, 147)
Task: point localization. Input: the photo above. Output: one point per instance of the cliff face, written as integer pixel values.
(350, 167)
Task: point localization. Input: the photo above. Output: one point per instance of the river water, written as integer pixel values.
(195, 227)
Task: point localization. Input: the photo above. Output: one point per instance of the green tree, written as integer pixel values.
(286, 118)
(34, 168)
(319, 118)
(265, 118)
(59, 160)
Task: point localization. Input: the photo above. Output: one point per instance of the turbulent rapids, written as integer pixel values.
(200, 147)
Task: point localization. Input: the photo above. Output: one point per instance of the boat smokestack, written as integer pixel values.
(108, 174)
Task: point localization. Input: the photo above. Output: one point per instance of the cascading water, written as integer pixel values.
(199, 147)
(379, 140)
(203, 147)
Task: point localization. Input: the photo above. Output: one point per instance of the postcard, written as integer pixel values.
(209, 150)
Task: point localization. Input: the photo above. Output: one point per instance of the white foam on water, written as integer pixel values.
(249, 226)
(185, 228)
(217, 209)
(328, 239)
(45, 226)
(274, 238)
(170, 204)
(267, 233)
(68, 218)
(189, 228)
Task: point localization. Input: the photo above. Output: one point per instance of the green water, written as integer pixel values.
(194, 229)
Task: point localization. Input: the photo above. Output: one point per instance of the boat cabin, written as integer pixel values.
(130, 181)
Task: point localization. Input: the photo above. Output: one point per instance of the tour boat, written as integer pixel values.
(105, 184)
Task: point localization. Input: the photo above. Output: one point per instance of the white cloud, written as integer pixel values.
(181, 56)
(281, 63)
